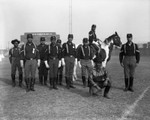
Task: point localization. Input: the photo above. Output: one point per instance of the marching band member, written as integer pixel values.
(43, 71)
(30, 54)
(60, 69)
(85, 55)
(69, 60)
(129, 58)
(53, 61)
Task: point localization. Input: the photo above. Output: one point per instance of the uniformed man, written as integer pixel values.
(69, 60)
(54, 56)
(129, 58)
(30, 54)
(99, 80)
(93, 38)
(85, 55)
(14, 57)
(60, 69)
(43, 71)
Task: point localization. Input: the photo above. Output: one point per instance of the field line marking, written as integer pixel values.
(131, 108)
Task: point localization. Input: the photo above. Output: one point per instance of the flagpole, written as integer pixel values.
(70, 16)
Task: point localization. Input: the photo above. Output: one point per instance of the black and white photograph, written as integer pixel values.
(74, 60)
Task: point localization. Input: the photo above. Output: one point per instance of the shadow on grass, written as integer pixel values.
(116, 87)
(6, 81)
(84, 92)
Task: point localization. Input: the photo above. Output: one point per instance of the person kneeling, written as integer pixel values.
(99, 80)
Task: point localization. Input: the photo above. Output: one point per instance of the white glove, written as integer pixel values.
(94, 56)
(63, 61)
(21, 63)
(92, 63)
(74, 73)
(38, 64)
(79, 64)
(59, 64)
(75, 62)
(46, 64)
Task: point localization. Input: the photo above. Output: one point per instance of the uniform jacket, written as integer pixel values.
(29, 51)
(52, 51)
(85, 52)
(42, 50)
(129, 50)
(68, 49)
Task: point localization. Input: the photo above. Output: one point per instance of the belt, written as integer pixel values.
(71, 56)
(53, 58)
(30, 59)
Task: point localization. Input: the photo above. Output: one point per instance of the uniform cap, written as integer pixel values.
(58, 41)
(42, 39)
(85, 40)
(29, 36)
(129, 35)
(15, 40)
(53, 38)
(70, 36)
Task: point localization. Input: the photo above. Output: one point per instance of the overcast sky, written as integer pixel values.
(123, 16)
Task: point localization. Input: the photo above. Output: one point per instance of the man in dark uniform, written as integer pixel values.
(100, 77)
(85, 55)
(99, 80)
(54, 56)
(60, 69)
(129, 58)
(43, 71)
(93, 37)
(14, 57)
(30, 54)
(69, 60)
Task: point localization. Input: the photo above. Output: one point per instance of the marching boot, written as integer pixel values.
(20, 80)
(126, 84)
(41, 79)
(54, 84)
(67, 83)
(13, 80)
(71, 83)
(51, 83)
(60, 79)
(131, 84)
(32, 82)
(107, 88)
(45, 80)
(89, 84)
(57, 79)
(27, 84)
(84, 81)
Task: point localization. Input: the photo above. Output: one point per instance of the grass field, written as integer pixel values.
(77, 104)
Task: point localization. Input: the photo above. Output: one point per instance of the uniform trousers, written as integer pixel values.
(129, 66)
(16, 65)
(69, 66)
(53, 68)
(30, 68)
(86, 67)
